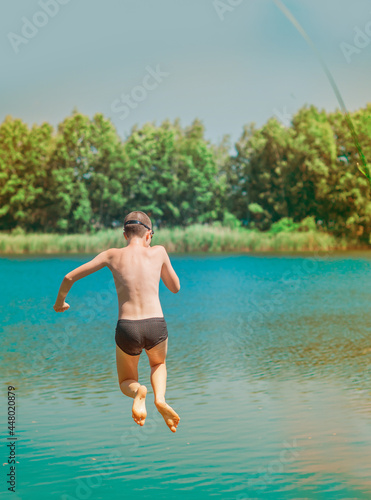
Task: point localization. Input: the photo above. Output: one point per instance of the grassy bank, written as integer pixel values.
(195, 238)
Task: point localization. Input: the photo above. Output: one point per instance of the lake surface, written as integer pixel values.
(269, 368)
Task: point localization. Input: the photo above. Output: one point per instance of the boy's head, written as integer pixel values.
(137, 229)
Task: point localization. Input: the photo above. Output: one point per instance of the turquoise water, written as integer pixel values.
(269, 368)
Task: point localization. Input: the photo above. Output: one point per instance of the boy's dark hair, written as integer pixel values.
(137, 229)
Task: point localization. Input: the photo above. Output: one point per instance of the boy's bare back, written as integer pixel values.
(137, 271)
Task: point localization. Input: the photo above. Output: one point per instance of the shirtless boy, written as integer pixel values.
(137, 269)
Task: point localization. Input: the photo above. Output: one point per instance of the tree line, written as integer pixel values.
(84, 177)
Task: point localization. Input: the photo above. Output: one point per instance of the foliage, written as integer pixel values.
(231, 221)
(83, 178)
(286, 224)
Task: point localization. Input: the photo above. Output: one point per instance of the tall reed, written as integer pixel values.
(195, 238)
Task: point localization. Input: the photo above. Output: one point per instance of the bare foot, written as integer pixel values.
(139, 412)
(170, 416)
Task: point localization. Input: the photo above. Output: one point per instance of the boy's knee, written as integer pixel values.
(155, 365)
(121, 380)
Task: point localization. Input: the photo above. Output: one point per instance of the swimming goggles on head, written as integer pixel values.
(138, 222)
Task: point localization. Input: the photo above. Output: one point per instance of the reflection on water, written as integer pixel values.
(269, 367)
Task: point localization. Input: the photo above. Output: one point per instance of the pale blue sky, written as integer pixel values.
(246, 68)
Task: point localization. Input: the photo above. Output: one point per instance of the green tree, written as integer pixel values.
(257, 175)
(311, 165)
(350, 194)
(24, 174)
(89, 183)
(173, 173)
(200, 187)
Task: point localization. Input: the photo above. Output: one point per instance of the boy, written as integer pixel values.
(137, 269)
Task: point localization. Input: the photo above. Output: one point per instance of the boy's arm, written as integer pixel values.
(100, 261)
(168, 275)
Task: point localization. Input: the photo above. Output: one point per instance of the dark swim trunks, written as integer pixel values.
(134, 334)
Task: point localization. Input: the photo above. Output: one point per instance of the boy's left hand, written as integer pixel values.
(61, 307)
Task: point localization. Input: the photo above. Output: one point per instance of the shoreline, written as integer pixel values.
(366, 253)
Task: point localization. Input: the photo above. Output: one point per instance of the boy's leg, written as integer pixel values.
(157, 361)
(127, 371)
